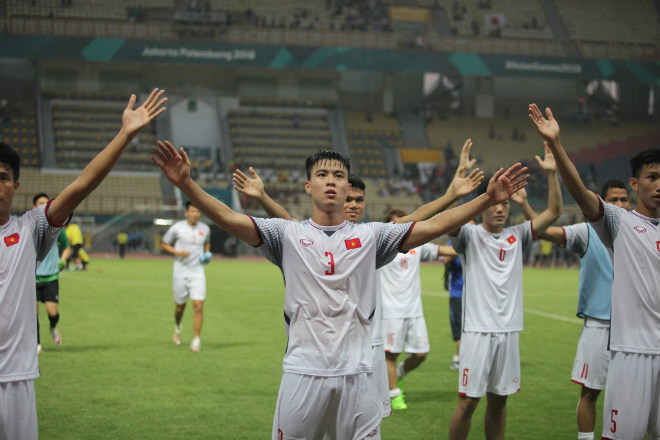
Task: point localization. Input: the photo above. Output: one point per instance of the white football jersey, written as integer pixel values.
(184, 237)
(635, 242)
(492, 274)
(25, 240)
(377, 322)
(401, 285)
(330, 294)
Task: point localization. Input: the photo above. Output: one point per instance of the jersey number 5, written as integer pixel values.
(613, 427)
(331, 271)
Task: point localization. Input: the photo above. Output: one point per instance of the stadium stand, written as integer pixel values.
(611, 21)
(82, 127)
(19, 128)
(612, 29)
(370, 136)
(277, 138)
(119, 193)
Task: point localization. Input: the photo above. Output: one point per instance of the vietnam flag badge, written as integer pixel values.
(511, 239)
(12, 239)
(353, 243)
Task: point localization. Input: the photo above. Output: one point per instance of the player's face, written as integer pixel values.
(192, 215)
(355, 205)
(8, 188)
(618, 197)
(328, 184)
(496, 216)
(41, 201)
(647, 186)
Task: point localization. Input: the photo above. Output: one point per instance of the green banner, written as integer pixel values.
(336, 58)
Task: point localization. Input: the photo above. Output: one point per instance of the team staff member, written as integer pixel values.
(48, 273)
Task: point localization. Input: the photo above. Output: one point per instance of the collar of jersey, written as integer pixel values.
(652, 220)
(328, 228)
(7, 225)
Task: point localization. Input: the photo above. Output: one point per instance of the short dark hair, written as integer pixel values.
(326, 155)
(613, 183)
(38, 196)
(394, 212)
(356, 182)
(644, 157)
(10, 157)
(189, 204)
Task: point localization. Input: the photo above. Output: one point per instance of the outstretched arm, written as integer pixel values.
(176, 167)
(554, 234)
(447, 252)
(501, 186)
(459, 187)
(132, 122)
(549, 129)
(555, 206)
(254, 187)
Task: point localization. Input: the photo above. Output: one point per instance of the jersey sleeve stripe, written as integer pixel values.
(261, 237)
(405, 237)
(52, 223)
(601, 210)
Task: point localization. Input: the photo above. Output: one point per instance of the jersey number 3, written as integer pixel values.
(330, 271)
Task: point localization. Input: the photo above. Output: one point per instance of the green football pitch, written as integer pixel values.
(117, 374)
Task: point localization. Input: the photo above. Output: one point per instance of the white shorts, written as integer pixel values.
(18, 411)
(489, 362)
(338, 407)
(592, 357)
(185, 287)
(380, 379)
(407, 335)
(632, 397)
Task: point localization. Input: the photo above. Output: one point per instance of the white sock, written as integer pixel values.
(400, 372)
(585, 436)
(178, 328)
(396, 392)
(455, 358)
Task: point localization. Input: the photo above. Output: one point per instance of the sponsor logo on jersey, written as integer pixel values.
(511, 239)
(640, 229)
(12, 239)
(353, 243)
(306, 242)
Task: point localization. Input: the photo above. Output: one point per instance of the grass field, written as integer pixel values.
(117, 374)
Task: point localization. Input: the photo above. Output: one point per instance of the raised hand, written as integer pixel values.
(464, 161)
(133, 121)
(175, 165)
(504, 184)
(465, 185)
(548, 162)
(548, 128)
(519, 196)
(250, 186)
